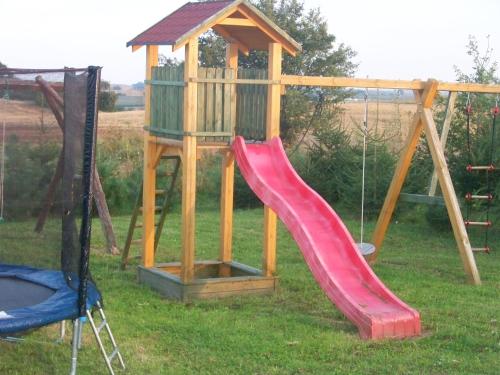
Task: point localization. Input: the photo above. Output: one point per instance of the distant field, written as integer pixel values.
(385, 117)
(31, 122)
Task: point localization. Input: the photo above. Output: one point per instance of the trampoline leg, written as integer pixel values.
(80, 333)
(97, 330)
(74, 345)
(62, 332)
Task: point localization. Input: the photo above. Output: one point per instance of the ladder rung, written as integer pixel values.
(159, 192)
(113, 355)
(470, 196)
(485, 249)
(137, 241)
(101, 326)
(478, 223)
(489, 168)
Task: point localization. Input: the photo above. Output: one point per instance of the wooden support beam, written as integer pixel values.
(136, 48)
(423, 120)
(230, 21)
(397, 182)
(189, 163)
(450, 108)
(450, 198)
(272, 130)
(232, 40)
(149, 179)
(227, 183)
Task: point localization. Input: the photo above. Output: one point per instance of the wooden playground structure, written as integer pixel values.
(190, 110)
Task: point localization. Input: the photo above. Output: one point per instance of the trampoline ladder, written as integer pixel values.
(115, 353)
(165, 197)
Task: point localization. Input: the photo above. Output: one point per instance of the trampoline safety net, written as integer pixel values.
(48, 121)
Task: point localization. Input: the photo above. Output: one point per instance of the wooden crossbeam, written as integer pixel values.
(230, 21)
(364, 83)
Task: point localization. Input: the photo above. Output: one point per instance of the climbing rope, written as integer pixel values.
(363, 178)
(364, 248)
(489, 175)
(468, 113)
(2, 173)
(5, 97)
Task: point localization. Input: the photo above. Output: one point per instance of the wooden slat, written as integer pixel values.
(201, 101)
(209, 113)
(227, 103)
(180, 99)
(219, 97)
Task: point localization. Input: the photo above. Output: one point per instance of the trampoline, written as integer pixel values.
(49, 128)
(31, 298)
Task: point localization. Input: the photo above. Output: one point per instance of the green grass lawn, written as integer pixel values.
(295, 331)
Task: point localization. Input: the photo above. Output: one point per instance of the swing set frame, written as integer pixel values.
(423, 121)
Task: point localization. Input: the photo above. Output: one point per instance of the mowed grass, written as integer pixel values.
(295, 331)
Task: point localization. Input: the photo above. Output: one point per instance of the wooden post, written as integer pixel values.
(149, 180)
(398, 180)
(450, 108)
(189, 162)
(450, 198)
(272, 130)
(227, 183)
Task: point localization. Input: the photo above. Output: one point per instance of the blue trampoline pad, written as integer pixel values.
(32, 298)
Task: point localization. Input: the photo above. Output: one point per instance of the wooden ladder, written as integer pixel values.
(164, 198)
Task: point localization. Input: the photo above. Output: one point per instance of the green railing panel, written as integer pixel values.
(220, 114)
(252, 106)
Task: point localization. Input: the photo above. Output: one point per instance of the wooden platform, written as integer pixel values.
(213, 279)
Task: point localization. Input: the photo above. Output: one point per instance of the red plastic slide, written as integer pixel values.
(325, 242)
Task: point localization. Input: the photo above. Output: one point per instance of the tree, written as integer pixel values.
(484, 71)
(107, 98)
(304, 108)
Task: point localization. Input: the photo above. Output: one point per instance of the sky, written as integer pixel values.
(394, 39)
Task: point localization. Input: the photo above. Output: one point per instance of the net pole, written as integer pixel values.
(2, 172)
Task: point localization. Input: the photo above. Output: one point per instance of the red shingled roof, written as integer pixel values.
(180, 22)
